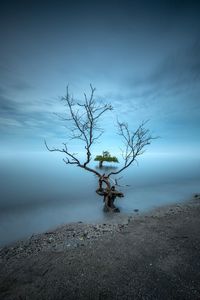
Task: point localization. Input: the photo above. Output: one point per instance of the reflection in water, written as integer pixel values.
(106, 169)
(39, 191)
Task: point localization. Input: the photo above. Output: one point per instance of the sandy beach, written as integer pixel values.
(148, 256)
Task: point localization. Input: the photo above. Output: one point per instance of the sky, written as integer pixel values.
(143, 57)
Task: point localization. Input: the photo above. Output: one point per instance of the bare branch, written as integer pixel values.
(84, 119)
(73, 160)
(134, 143)
(84, 126)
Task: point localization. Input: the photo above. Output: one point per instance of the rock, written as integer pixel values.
(129, 219)
(85, 234)
(136, 210)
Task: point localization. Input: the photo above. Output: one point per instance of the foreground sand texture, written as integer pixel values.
(154, 256)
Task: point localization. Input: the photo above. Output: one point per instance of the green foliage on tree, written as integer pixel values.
(105, 157)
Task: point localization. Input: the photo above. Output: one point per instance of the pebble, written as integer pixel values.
(63, 238)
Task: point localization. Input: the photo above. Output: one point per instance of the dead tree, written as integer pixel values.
(84, 120)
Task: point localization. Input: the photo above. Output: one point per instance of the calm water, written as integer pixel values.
(38, 191)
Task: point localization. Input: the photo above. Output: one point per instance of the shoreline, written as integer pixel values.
(113, 221)
(109, 246)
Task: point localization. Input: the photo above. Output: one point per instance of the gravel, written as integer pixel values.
(149, 256)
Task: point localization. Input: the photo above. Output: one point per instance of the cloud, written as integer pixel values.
(12, 79)
(168, 95)
(9, 122)
(30, 120)
(20, 85)
(169, 91)
(6, 105)
(177, 73)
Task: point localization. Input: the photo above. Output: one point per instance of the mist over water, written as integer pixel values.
(39, 192)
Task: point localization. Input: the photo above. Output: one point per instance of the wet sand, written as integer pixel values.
(149, 256)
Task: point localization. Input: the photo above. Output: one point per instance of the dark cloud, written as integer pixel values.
(6, 105)
(19, 121)
(177, 75)
(143, 56)
(21, 86)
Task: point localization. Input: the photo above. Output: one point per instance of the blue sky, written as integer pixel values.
(142, 56)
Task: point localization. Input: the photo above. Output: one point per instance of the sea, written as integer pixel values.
(39, 192)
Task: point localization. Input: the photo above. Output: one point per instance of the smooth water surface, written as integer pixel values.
(39, 192)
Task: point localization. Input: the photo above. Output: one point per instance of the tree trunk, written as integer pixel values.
(109, 204)
(100, 164)
(109, 194)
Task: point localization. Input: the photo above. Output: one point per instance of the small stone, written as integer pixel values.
(196, 196)
(85, 234)
(136, 210)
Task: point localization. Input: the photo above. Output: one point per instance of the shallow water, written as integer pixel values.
(39, 192)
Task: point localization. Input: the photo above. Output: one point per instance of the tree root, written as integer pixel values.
(109, 198)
